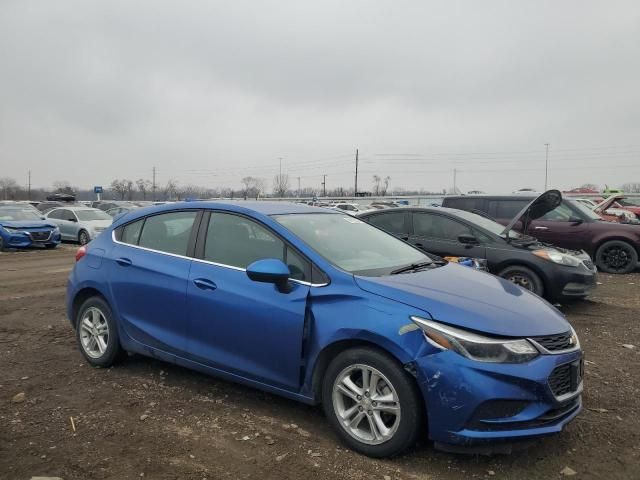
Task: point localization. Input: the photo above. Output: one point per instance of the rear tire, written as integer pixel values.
(523, 277)
(616, 256)
(97, 333)
(384, 403)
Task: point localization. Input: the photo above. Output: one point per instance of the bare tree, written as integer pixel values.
(143, 187)
(590, 186)
(129, 187)
(62, 186)
(631, 187)
(9, 187)
(171, 189)
(281, 185)
(376, 184)
(119, 187)
(385, 185)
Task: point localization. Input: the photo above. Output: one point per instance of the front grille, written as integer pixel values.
(40, 236)
(555, 343)
(588, 264)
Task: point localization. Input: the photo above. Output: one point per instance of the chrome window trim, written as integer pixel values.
(231, 267)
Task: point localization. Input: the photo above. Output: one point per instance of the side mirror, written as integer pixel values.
(75, 220)
(575, 221)
(270, 270)
(468, 239)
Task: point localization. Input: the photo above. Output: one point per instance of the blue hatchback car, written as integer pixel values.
(322, 307)
(21, 227)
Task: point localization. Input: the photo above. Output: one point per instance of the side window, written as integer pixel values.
(468, 204)
(437, 226)
(506, 209)
(237, 241)
(562, 213)
(299, 266)
(168, 232)
(131, 232)
(56, 214)
(67, 215)
(389, 222)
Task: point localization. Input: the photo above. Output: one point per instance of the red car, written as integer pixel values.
(618, 205)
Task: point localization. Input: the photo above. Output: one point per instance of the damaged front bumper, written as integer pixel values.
(471, 404)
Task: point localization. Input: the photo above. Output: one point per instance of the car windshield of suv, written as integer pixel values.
(18, 214)
(89, 215)
(584, 210)
(629, 202)
(351, 244)
(486, 223)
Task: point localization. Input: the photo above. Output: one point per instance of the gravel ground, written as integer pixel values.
(147, 419)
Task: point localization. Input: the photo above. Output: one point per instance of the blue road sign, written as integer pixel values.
(97, 189)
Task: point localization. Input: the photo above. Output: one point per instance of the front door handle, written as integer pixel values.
(125, 262)
(418, 245)
(204, 284)
(541, 229)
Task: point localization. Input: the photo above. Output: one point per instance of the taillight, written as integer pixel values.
(82, 251)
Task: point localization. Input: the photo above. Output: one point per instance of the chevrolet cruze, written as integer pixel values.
(321, 307)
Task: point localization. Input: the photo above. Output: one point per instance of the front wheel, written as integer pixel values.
(616, 256)
(83, 237)
(97, 333)
(524, 277)
(372, 402)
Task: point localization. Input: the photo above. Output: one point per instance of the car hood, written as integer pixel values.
(26, 224)
(538, 207)
(466, 298)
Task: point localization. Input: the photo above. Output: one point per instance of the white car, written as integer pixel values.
(350, 208)
(79, 224)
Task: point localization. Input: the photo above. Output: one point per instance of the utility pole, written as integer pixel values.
(280, 158)
(324, 185)
(154, 184)
(298, 187)
(455, 185)
(546, 167)
(355, 190)
(29, 188)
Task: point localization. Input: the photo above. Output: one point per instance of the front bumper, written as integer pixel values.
(473, 403)
(572, 282)
(30, 238)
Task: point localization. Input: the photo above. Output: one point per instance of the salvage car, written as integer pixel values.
(321, 307)
(614, 247)
(21, 227)
(79, 224)
(619, 208)
(552, 272)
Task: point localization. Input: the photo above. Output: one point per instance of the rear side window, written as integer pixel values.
(437, 226)
(562, 213)
(56, 214)
(468, 204)
(168, 232)
(506, 209)
(131, 232)
(389, 222)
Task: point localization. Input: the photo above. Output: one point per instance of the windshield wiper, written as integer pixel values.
(414, 267)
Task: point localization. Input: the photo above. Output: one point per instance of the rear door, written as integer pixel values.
(237, 325)
(437, 233)
(149, 277)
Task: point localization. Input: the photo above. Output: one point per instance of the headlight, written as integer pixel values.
(12, 230)
(557, 257)
(474, 346)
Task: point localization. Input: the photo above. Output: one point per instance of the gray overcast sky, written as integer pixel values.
(211, 91)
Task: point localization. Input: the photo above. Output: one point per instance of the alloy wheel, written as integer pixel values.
(616, 257)
(84, 238)
(366, 404)
(94, 332)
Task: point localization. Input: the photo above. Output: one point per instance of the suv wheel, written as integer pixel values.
(83, 237)
(373, 404)
(616, 256)
(97, 333)
(524, 277)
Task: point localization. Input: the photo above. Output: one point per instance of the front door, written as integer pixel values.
(556, 228)
(240, 326)
(436, 233)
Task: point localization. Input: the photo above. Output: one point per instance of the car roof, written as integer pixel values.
(450, 211)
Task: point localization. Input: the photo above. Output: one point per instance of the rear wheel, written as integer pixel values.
(83, 237)
(97, 333)
(372, 402)
(616, 256)
(524, 277)
(1, 244)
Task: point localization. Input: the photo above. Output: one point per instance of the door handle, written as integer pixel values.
(125, 262)
(204, 284)
(541, 229)
(418, 245)
(405, 238)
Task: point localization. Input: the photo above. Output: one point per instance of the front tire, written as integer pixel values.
(97, 333)
(372, 402)
(524, 277)
(616, 256)
(83, 237)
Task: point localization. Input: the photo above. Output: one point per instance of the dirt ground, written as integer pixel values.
(153, 420)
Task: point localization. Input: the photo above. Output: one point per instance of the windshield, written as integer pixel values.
(351, 244)
(18, 214)
(584, 210)
(89, 215)
(629, 202)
